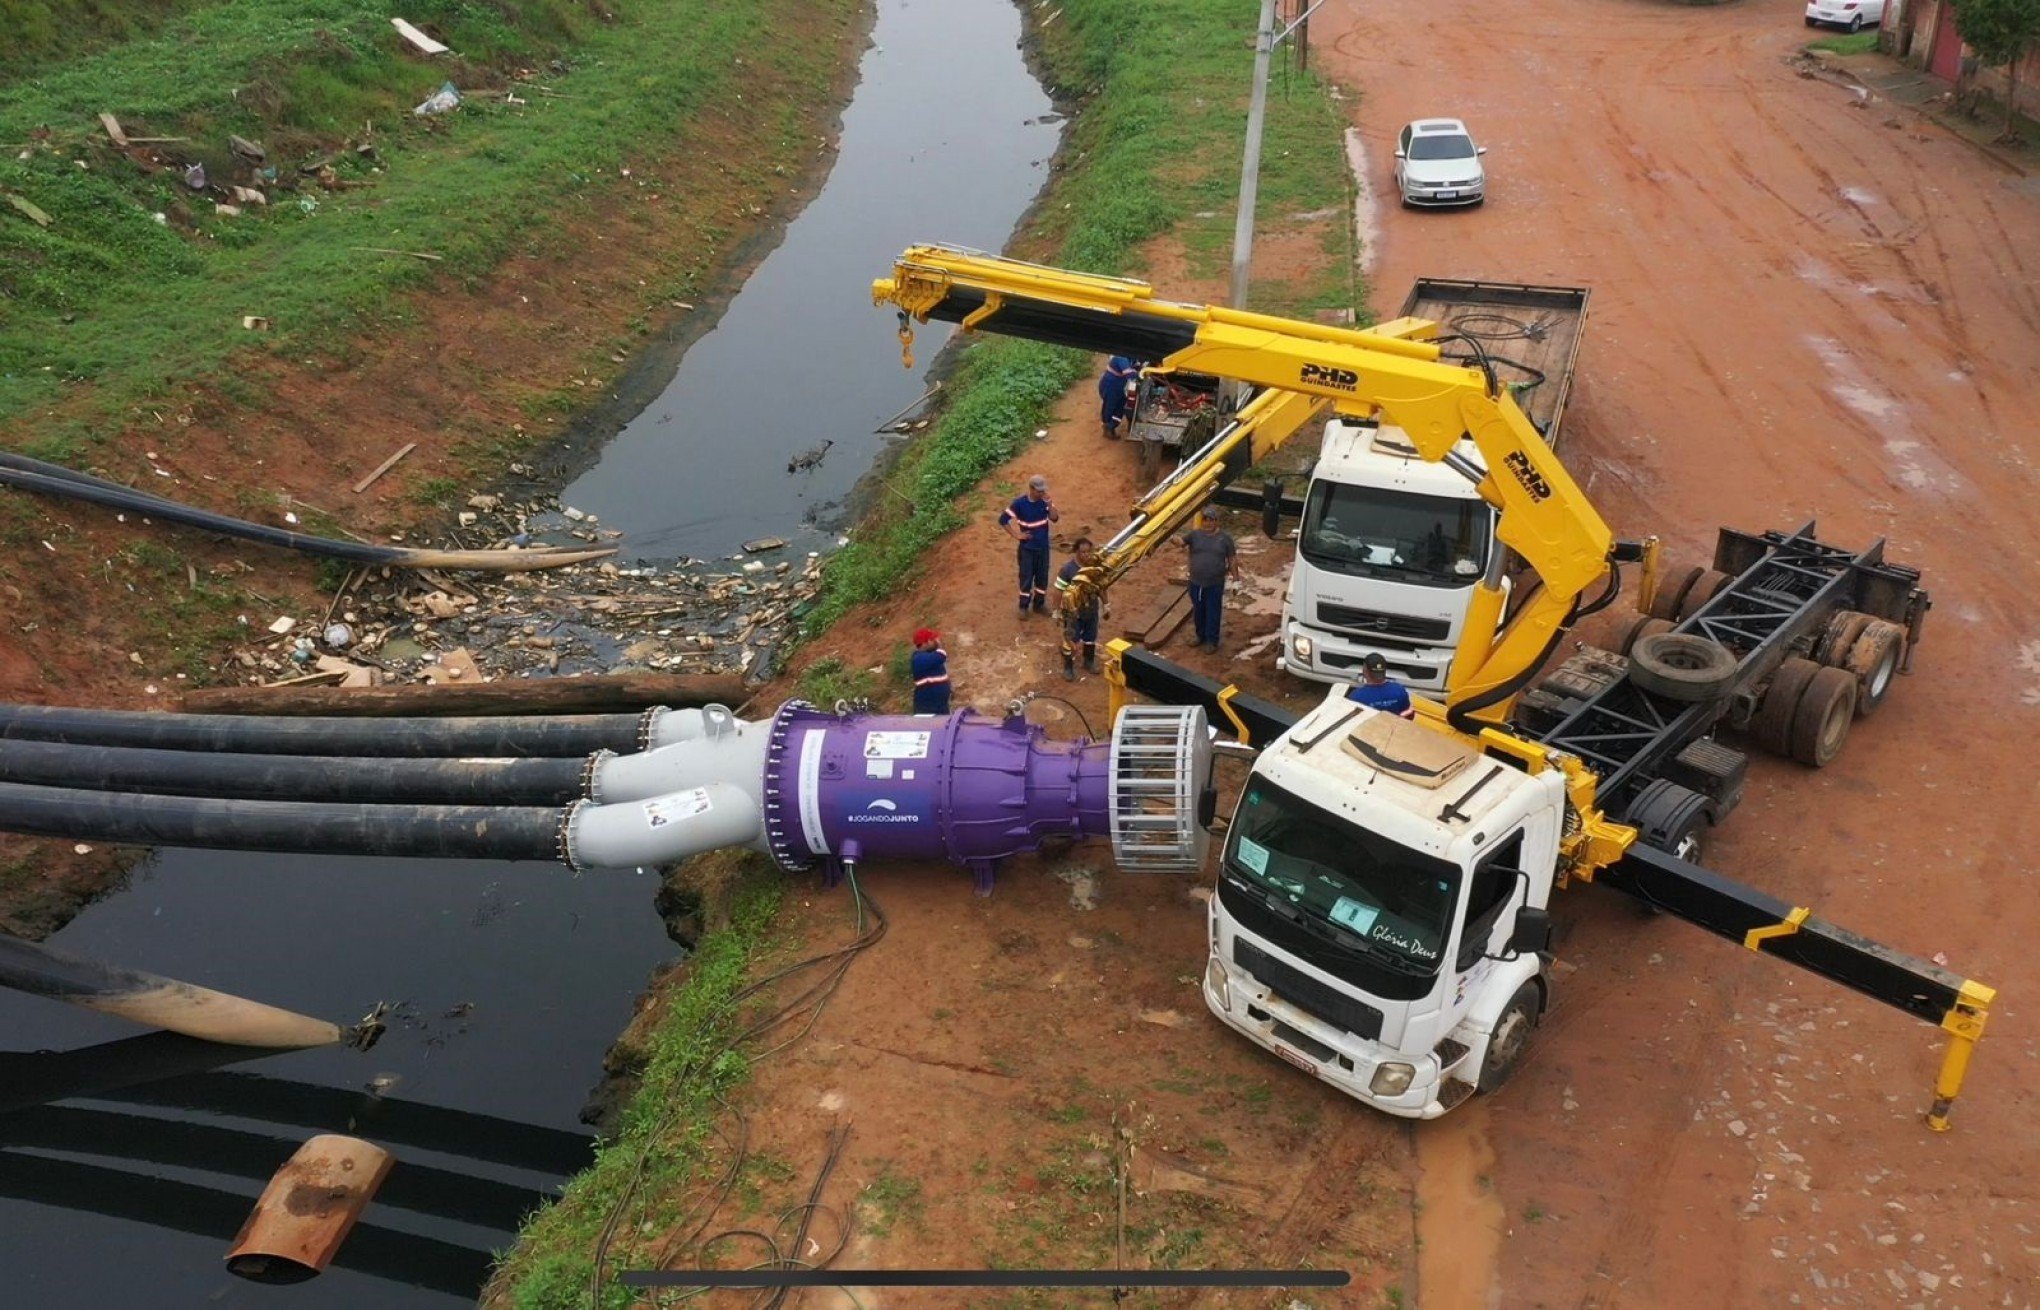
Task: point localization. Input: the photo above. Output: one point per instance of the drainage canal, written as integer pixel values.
(129, 1159)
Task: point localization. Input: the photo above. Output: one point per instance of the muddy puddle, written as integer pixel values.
(128, 1161)
(1460, 1220)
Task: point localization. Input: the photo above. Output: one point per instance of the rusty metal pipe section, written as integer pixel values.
(157, 1002)
(306, 1212)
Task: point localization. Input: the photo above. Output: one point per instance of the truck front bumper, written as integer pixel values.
(1325, 656)
(1348, 1063)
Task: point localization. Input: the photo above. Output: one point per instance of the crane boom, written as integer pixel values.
(1390, 371)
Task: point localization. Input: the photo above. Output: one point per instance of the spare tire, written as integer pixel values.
(1705, 588)
(1644, 627)
(1874, 659)
(1682, 667)
(1672, 589)
(1820, 724)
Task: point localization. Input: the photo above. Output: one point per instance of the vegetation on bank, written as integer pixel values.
(1154, 148)
(648, 1169)
(136, 282)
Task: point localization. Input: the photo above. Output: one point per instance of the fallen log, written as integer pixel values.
(608, 693)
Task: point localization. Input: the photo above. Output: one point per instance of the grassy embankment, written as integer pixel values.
(1155, 153)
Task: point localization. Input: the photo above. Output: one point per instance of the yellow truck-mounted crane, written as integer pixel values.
(1380, 918)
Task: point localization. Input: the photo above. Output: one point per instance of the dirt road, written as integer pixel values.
(1802, 306)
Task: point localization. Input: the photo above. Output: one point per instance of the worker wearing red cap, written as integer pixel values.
(930, 668)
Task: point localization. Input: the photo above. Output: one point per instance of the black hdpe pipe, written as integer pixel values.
(34, 475)
(159, 1002)
(303, 827)
(93, 767)
(577, 735)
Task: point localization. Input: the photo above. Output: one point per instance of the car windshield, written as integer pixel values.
(1433, 541)
(1355, 888)
(1446, 145)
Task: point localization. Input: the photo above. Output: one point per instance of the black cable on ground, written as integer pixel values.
(35, 475)
(302, 827)
(577, 735)
(237, 776)
(811, 1001)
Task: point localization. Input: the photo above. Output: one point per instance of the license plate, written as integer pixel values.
(1448, 195)
(1296, 1059)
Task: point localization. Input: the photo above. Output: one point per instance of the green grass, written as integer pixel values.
(887, 1200)
(668, 1126)
(1858, 43)
(106, 308)
(1164, 85)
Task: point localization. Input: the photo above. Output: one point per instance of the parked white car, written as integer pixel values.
(1852, 14)
(1437, 163)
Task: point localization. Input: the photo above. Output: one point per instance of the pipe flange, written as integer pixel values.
(648, 722)
(563, 837)
(787, 851)
(591, 772)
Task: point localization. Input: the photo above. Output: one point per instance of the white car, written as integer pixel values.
(1437, 163)
(1852, 14)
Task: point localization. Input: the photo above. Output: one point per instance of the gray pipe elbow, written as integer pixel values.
(661, 830)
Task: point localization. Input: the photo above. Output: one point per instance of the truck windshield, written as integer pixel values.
(1356, 888)
(1434, 541)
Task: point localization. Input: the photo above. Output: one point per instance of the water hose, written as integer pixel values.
(91, 767)
(577, 735)
(26, 474)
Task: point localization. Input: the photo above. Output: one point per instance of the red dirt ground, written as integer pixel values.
(1802, 307)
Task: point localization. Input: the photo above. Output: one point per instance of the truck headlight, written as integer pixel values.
(1392, 1079)
(1220, 985)
(1302, 646)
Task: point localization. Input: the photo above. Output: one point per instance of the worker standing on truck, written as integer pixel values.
(1115, 392)
(930, 666)
(1377, 691)
(1026, 521)
(1213, 559)
(1080, 626)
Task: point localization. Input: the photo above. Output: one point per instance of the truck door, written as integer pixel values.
(1492, 895)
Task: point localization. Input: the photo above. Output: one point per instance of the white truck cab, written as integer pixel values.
(1387, 558)
(1380, 914)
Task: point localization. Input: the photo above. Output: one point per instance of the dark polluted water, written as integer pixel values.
(129, 1160)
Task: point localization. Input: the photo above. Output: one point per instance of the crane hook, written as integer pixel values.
(906, 335)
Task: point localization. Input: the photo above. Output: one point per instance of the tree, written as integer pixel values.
(2001, 32)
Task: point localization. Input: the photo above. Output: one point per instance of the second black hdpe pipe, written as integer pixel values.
(551, 735)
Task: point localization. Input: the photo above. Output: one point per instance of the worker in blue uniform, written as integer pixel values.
(1377, 691)
(1115, 393)
(1080, 623)
(930, 666)
(1026, 521)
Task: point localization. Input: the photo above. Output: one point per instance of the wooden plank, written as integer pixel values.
(611, 693)
(1166, 623)
(417, 38)
(384, 467)
(112, 126)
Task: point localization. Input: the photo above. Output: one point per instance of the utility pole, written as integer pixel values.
(1250, 168)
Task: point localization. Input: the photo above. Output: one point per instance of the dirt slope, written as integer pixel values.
(1803, 306)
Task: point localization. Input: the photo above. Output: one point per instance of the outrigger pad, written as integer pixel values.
(1406, 750)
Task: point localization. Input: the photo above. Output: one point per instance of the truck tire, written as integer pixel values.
(1705, 588)
(1511, 1037)
(1771, 726)
(1839, 637)
(1821, 722)
(1672, 589)
(1682, 667)
(1647, 626)
(1874, 659)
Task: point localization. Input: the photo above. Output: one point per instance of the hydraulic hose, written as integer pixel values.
(305, 827)
(1460, 713)
(93, 767)
(577, 735)
(55, 480)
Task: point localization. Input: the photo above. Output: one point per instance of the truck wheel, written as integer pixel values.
(1839, 637)
(1874, 659)
(1511, 1037)
(1672, 819)
(1771, 726)
(1682, 667)
(1672, 589)
(1821, 723)
(1704, 589)
(1643, 627)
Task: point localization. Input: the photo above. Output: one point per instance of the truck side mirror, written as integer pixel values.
(1532, 933)
(1271, 507)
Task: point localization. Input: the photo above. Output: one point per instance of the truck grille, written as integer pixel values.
(1386, 625)
(1307, 993)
